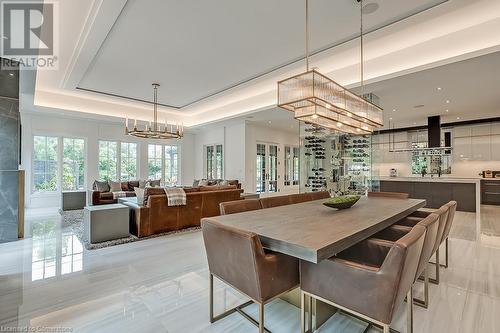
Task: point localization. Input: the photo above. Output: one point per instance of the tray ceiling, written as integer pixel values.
(196, 49)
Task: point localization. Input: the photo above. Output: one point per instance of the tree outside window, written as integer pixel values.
(128, 161)
(73, 176)
(45, 163)
(108, 160)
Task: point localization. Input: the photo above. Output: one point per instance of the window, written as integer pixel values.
(214, 162)
(163, 163)
(155, 160)
(128, 161)
(108, 160)
(73, 166)
(171, 164)
(45, 164)
(291, 166)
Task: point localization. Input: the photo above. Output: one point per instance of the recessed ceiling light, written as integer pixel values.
(439, 88)
(390, 118)
(447, 110)
(414, 123)
(339, 124)
(458, 118)
(269, 122)
(447, 101)
(314, 116)
(393, 110)
(11, 74)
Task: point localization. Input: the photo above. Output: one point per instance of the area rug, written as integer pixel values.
(72, 221)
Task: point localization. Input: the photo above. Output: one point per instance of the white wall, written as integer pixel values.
(91, 131)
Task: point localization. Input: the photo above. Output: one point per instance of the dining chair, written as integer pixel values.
(299, 198)
(452, 205)
(319, 195)
(396, 195)
(238, 259)
(395, 232)
(270, 202)
(416, 217)
(239, 206)
(368, 280)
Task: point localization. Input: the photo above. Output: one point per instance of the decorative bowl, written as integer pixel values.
(342, 202)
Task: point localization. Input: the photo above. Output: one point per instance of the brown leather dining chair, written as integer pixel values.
(395, 232)
(396, 195)
(319, 195)
(299, 198)
(239, 206)
(270, 202)
(237, 258)
(444, 214)
(368, 280)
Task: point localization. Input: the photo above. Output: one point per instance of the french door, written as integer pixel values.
(267, 168)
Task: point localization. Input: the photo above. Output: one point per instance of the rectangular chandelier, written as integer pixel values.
(317, 99)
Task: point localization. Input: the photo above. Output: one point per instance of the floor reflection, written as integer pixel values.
(55, 252)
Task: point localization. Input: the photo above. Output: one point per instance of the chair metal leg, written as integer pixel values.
(302, 312)
(261, 318)
(446, 254)
(409, 313)
(436, 265)
(238, 309)
(425, 302)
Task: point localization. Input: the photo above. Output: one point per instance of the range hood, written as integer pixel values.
(433, 140)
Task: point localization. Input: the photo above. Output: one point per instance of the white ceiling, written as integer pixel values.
(471, 87)
(198, 48)
(107, 44)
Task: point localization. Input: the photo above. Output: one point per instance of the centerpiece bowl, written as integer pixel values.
(343, 202)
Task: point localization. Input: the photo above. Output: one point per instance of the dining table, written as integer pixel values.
(313, 232)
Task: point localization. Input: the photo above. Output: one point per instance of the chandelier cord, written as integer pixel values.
(307, 35)
(155, 107)
(362, 49)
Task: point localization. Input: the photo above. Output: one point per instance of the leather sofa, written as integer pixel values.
(154, 216)
(106, 198)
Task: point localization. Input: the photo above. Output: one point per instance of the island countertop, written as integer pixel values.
(431, 179)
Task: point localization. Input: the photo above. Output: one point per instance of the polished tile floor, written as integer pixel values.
(160, 285)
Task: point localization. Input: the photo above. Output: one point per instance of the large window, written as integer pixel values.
(291, 166)
(108, 160)
(214, 161)
(128, 161)
(163, 163)
(171, 164)
(155, 161)
(73, 167)
(45, 163)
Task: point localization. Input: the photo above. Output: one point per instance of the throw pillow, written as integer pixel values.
(196, 183)
(101, 186)
(155, 183)
(142, 183)
(139, 193)
(114, 186)
(224, 183)
(203, 182)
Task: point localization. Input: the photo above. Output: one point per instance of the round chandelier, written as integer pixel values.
(155, 130)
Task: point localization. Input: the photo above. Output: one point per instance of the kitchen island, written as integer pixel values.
(437, 190)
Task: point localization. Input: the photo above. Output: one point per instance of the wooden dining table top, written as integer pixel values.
(313, 232)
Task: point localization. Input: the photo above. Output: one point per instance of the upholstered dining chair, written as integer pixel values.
(319, 195)
(395, 232)
(416, 217)
(239, 206)
(368, 280)
(397, 195)
(276, 201)
(299, 198)
(237, 258)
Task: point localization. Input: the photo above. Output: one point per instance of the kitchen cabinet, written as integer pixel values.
(490, 192)
(462, 148)
(495, 147)
(481, 148)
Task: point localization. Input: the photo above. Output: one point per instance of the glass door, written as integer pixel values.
(266, 168)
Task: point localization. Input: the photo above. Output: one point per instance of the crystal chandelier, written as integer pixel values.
(155, 130)
(317, 99)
